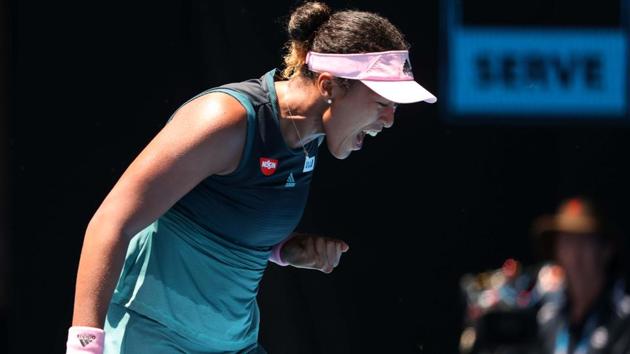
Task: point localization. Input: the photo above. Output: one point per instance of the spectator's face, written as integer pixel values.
(583, 256)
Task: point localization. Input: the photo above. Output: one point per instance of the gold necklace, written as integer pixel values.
(286, 95)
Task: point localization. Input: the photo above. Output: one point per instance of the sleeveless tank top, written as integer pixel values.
(197, 268)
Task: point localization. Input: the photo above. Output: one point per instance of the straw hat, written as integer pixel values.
(576, 216)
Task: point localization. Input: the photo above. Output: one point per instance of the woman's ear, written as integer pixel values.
(325, 85)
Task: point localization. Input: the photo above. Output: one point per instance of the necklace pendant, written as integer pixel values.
(309, 163)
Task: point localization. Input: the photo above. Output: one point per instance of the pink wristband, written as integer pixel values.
(275, 253)
(85, 340)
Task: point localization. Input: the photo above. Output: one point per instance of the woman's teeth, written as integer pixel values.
(371, 133)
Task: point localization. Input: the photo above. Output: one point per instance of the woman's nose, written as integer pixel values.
(388, 116)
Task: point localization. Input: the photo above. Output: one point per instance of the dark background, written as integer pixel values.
(87, 84)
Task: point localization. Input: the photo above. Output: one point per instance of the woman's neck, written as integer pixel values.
(300, 112)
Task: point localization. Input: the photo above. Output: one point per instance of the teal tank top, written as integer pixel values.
(197, 268)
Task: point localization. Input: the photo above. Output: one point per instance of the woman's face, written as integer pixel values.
(353, 114)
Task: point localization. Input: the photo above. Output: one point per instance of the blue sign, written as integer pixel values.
(537, 71)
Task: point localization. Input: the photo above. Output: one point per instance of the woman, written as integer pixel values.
(218, 191)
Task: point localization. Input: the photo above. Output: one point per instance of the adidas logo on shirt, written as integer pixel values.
(290, 181)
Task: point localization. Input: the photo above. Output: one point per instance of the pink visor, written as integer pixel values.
(386, 73)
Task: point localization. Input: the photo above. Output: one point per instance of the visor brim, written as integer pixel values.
(401, 91)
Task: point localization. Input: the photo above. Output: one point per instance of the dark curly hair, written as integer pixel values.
(313, 26)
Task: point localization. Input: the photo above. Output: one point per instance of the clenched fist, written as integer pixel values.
(313, 252)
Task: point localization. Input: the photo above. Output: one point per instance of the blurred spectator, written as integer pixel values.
(589, 314)
(574, 302)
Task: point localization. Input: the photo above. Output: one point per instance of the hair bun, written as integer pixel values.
(306, 19)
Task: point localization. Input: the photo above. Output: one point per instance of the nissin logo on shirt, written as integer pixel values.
(268, 166)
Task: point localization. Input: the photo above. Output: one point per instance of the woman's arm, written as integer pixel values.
(205, 137)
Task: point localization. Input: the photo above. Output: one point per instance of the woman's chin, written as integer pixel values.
(339, 151)
(340, 154)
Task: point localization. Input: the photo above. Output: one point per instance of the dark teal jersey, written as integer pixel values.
(197, 268)
(262, 201)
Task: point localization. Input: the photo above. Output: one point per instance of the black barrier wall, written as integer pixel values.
(420, 205)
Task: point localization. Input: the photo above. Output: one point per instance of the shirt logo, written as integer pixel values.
(268, 166)
(290, 181)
